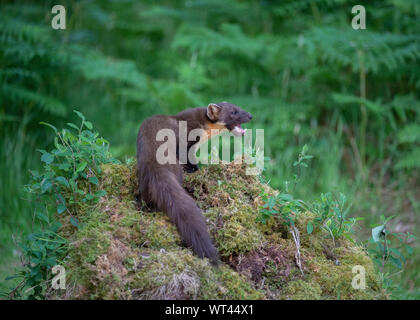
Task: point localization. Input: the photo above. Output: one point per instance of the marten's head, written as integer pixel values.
(229, 115)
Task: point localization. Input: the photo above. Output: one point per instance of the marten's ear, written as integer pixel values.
(213, 111)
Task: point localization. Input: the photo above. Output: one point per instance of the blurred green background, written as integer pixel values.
(298, 66)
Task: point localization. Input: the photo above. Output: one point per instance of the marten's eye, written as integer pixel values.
(234, 112)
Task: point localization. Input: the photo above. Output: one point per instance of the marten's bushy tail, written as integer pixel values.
(168, 195)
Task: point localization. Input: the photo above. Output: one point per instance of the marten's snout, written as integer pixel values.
(236, 128)
(233, 116)
(246, 116)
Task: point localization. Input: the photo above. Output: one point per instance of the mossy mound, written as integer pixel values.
(122, 250)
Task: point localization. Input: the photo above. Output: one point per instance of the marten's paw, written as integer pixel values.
(190, 168)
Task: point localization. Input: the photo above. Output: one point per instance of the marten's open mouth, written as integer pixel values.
(237, 130)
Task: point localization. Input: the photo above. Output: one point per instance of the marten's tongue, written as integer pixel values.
(238, 131)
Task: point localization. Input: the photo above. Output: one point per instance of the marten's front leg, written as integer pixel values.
(190, 167)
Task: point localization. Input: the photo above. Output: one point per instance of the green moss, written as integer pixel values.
(119, 180)
(146, 229)
(157, 231)
(229, 197)
(181, 275)
(227, 284)
(302, 290)
(122, 251)
(234, 229)
(92, 237)
(334, 278)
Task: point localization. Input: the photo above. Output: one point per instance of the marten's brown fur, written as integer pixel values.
(160, 185)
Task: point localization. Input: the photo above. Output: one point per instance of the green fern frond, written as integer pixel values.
(230, 40)
(96, 66)
(167, 12)
(407, 6)
(28, 98)
(409, 134)
(409, 160)
(407, 107)
(193, 11)
(293, 7)
(374, 107)
(19, 73)
(22, 31)
(343, 46)
(137, 27)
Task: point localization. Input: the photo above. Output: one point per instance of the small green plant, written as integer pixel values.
(284, 205)
(389, 250)
(70, 177)
(42, 250)
(332, 211)
(300, 163)
(75, 161)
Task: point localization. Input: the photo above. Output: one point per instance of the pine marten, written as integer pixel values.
(160, 185)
